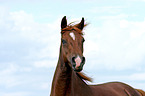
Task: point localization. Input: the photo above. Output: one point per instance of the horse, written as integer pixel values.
(68, 79)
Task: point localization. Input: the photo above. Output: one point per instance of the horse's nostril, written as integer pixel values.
(73, 59)
(83, 60)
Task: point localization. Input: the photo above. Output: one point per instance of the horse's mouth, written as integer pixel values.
(79, 68)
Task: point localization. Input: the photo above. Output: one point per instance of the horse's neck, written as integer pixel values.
(61, 83)
(65, 81)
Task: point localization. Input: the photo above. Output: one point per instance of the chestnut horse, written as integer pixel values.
(68, 80)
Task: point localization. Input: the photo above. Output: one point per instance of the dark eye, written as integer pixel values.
(64, 41)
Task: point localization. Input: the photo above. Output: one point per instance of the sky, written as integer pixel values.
(114, 45)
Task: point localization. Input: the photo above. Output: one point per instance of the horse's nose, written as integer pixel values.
(83, 60)
(73, 59)
(78, 62)
(73, 62)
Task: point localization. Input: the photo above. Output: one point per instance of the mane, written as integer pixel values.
(84, 77)
(72, 26)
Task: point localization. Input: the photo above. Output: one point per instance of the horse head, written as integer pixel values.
(72, 44)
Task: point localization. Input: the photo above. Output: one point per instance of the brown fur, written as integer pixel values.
(68, 82)
(141, 92)
(69, 28)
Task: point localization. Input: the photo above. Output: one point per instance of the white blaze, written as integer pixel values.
(72, 35)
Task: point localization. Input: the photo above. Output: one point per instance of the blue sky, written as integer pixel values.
(30, 37)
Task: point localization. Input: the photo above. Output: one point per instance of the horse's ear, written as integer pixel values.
(81, 24)
(63, 22)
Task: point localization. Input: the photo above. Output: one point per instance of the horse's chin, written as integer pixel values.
(78, 69)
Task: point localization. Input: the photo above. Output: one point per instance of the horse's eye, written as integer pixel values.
(64, 41)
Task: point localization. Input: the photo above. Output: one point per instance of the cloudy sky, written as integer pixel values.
(30, 37)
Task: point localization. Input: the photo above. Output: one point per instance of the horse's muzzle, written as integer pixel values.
(77, 63)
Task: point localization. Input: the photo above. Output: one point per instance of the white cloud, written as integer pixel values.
(24, 30)
(137, 76)
(137, 0)
(12, 68)
(123, 23)
(45, 64)
(9, 79)
(44, 86)
(38, 33)
(25, 46)
(114, 17)
(9, 70)
(107, 9)
(118, 44)
(15, 94)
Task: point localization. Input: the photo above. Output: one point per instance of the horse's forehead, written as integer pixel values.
(73, 35)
